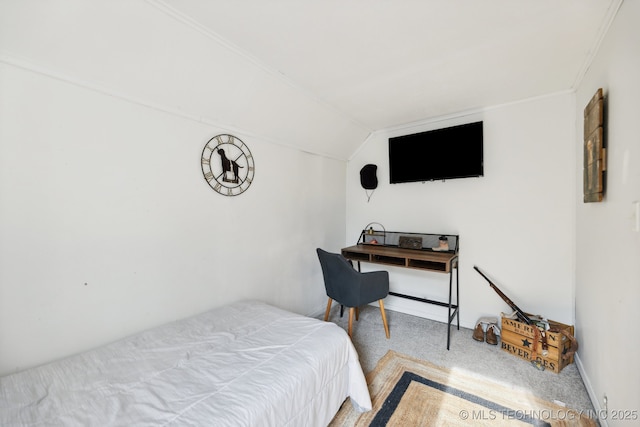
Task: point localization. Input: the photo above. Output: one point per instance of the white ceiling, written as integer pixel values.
(385, 63)
(321, 75)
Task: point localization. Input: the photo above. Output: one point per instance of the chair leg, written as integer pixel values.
(384, 318)
(351, 310)
(357, 313)
(326, 313)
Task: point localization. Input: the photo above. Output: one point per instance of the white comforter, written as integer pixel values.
(247, 364)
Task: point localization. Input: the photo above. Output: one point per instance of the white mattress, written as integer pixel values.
(247, 364)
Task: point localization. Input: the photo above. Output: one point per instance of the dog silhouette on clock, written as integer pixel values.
(228, 166)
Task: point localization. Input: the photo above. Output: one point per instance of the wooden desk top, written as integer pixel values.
(409, 258)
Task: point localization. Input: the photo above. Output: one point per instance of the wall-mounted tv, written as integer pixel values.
(453, 152)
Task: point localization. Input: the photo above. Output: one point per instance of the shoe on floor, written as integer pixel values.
(491, 336)
(478, 333)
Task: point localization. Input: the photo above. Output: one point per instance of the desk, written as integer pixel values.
(442, 262)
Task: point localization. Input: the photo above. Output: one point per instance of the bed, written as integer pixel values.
(245, 364)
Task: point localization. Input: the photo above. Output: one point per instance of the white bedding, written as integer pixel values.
(246, 364)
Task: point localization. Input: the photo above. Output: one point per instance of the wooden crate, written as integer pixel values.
(518, 338)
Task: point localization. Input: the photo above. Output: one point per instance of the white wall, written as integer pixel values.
(515, 223)
(607, 250)
(147, 51)
(107, 225)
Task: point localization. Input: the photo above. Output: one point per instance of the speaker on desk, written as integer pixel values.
(410, 242)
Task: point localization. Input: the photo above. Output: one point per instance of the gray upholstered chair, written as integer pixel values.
(352, 288)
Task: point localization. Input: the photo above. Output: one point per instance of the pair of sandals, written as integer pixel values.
(487, 330)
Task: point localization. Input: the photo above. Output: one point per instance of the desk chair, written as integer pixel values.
(352, 288)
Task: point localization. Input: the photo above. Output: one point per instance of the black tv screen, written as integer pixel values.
(453, 152)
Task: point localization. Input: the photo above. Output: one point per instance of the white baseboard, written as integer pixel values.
(592, 394)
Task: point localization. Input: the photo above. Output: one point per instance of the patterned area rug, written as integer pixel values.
(411, 392)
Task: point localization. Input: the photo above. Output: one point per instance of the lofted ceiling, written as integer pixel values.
(385, 63)
(318, 75)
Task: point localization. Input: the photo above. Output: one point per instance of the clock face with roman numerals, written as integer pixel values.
(227, 165)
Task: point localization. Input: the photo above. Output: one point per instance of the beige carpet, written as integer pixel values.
(411, 392)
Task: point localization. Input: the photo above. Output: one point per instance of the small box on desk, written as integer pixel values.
(519, 339)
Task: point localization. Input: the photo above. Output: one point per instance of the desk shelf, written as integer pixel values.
(427, 265)
(384, 259)
(441, 262)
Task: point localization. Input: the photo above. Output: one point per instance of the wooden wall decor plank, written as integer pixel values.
(594, 149)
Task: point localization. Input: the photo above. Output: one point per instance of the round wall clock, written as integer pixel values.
(227, 165)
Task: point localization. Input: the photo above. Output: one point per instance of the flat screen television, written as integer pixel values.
(453, 152)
